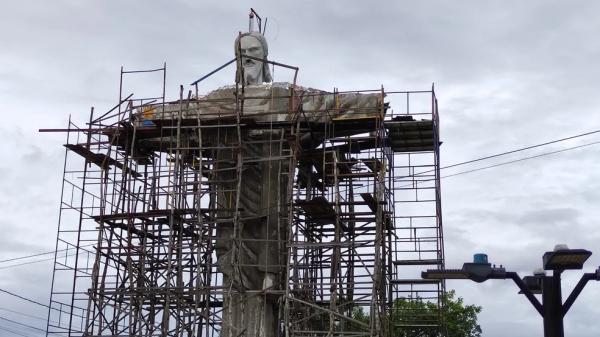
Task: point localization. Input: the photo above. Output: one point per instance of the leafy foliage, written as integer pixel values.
(418, 318)
(461, 319)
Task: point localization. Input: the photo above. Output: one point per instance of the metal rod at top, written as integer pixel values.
(251, 21)
(143, 71)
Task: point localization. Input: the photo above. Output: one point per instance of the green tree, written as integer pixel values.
(460, 319)
(418, 318)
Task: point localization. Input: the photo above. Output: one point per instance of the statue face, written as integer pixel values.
(250, 46)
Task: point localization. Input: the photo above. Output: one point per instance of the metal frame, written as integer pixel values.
(362, 218)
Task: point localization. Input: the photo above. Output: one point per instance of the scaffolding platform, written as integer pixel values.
(354, 196)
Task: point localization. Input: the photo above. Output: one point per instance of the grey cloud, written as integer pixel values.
(507, 74)
(550, 217)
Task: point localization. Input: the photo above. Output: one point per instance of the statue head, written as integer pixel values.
(253, 44)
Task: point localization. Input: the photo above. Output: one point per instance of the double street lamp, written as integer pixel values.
(551, 308)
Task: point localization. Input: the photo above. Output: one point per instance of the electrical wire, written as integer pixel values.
(27, 326)
(22, 313)
(486, 167)
(14, 332)
(43, 260)
(33, 255)
(40, 254)
(43, 305)
(23, 298)
(521, 159)
(22, 324)
(521, 149)
(508, 152)
(25, 263)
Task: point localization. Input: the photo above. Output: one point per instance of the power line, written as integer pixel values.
(40, 254)
(44, 305)
(24, 314)
(508, 152)
(25, 263)
(33, 255)
(521, 159)
(486, 167)
(23, 324)
(36, 261)
(521, 149)
(505, 163)
(14, 332)
(27, 325)
(23, 298)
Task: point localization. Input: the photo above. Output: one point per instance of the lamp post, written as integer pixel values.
(551, 308)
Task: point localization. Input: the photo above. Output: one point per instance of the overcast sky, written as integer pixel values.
(507, 73)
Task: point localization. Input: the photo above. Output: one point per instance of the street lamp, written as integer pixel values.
(563, 258)
(534, 282)
(551, 309)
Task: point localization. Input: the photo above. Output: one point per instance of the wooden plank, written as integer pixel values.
(101, 160)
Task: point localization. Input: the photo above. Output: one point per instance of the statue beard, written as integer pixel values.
(253, 74)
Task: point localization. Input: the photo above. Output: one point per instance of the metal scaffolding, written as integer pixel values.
(159, 220)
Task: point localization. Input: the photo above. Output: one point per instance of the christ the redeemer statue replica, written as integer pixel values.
(251, 175)
(256, 263)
